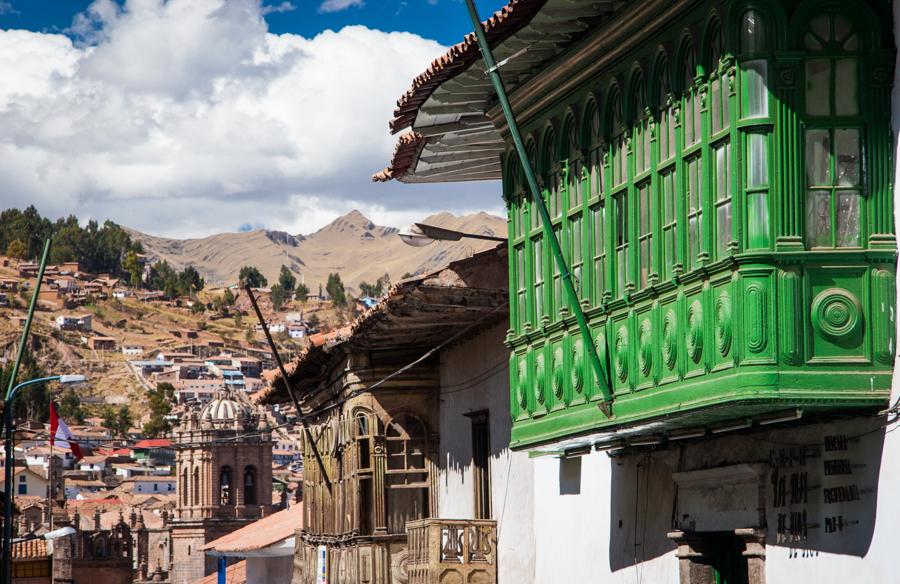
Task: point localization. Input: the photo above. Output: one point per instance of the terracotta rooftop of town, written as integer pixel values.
(32, 549)
(260, 534)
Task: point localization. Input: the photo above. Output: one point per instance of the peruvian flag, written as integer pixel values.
(61, 434)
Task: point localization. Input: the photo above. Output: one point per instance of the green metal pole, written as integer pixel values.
(7, 417)
(491, 67)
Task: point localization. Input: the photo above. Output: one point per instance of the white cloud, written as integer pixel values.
(187, 117)
(338, 5)
(279, 8)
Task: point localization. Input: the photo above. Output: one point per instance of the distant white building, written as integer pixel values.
(74, 322)
(133, 350)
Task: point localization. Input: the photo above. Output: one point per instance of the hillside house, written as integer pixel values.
(122, 293)
(98, 343)
(51, 299)
(28, 269)
(9, 285)
(132, 350)
(4, 299)
(74, 322)
(154, 452)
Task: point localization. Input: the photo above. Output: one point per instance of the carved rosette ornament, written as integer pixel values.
(645, 345)
(522, 384)
(540, 378)
(694, 339)
(723, 323)
(621, 354)
(557, 373)
(670, 339)
(578, 366)
(836, 313)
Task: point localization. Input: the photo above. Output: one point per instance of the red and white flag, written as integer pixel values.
(60, 434)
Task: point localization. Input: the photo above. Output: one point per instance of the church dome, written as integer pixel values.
(225, 408)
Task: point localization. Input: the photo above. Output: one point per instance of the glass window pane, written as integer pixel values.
(846, 98)
(755, 77)
(721, 172)
(753, 33)
(757, 160)
(757, 220)
(818, 84)
(812, 43)
(645, 261)
(645, 208)
(848, 220)
(847, 159)
(669, 197)
(852, 43)
(693, 239)
(818, 157)
(723, 226)
(698, 119)
(687, 121)
(576, 240)
(842, 27)
(671, 128)
(818, 219)
(820, 26)
(716, 97)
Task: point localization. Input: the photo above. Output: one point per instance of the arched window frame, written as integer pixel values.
(834, 133)
(667, 169)
(226, 486)
(250, 485)
(619, 188)
(575, 181)
(195, 492)
(719, 68)
(593, 145)
(691, 153)
(641, 152)
(754, 42)
(407, 472)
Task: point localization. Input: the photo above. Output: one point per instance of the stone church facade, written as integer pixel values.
(224, 470)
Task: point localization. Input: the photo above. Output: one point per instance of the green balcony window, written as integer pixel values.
(692, 187)
(623, 264)
(576, 255)
(669, 225)
(722, 190)
(598, 222)
(595, 157)
(645, 233)
(573, 169)
(537, 267)
(757, 183)
(834, 180)
(754, 66)
(521, 288)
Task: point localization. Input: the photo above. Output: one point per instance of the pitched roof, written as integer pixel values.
(260, 534)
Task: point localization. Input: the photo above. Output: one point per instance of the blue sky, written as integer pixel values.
(185, 118)
(445, 21)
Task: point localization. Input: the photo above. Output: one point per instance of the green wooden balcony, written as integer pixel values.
(742, 346)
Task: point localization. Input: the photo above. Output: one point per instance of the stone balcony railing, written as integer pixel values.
(452, 550)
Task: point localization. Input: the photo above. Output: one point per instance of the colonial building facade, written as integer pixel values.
(224, 471)
(719, 176)
(383, 444)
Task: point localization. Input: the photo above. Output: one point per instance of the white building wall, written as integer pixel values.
(270, 570)
(475, 377)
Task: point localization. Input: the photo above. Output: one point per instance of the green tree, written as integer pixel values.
(335, 289)
(301, 292)
(160, 401)
(33, 401)
(228, 297)
(17, 249)
(279, 295)
(287, 279)
(70, 408)
(198, 307)
(134, 268)
(250, 276)
(118, 420)
(189, 281)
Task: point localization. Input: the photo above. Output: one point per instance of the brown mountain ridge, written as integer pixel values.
(351, 245)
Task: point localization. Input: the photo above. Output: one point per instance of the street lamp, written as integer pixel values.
(10, 462)
(421, 234)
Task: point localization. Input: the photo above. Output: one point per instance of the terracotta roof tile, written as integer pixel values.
(405, 153)
(457, 59)
(32, 549)
(236, 574)
(260, 534)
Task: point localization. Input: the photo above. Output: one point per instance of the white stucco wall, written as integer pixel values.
(270, 570)
(475, 377)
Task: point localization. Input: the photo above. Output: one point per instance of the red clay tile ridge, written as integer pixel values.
(406, 152)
